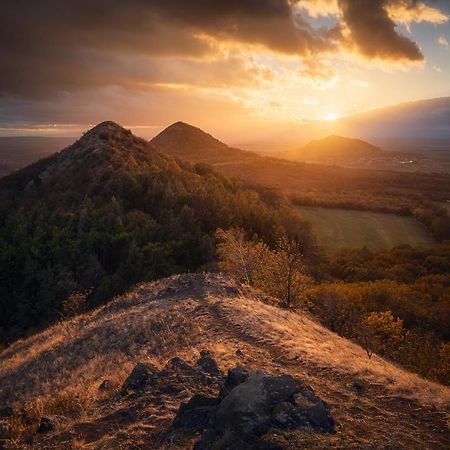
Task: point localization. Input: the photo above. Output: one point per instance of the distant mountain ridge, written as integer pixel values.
(334, 149)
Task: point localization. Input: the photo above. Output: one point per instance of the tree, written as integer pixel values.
(240, 258)
(288, 268)
(381, 332)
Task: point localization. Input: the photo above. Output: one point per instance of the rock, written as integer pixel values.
(177, 364)
(197, 413)
(47, 424)
(245, 409)
(207, 363)
(284, 415)
(250, 405)
(312, 411)
(5, 430)
(105, 386)
(7, 412)
(139, 377)
(280, 388)
(359, 388)
(170, 390)
(239, 353)
(235, 376)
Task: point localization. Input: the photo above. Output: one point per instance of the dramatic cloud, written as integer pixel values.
(55, 48)
(373, 31)
(407, 11)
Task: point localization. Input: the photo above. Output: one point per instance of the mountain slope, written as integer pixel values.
(292, 176)
(187, 141)
(110, 210)
(180, 316)
(335, 149)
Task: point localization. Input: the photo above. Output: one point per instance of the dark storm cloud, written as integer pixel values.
(50, 46)
(373, 31)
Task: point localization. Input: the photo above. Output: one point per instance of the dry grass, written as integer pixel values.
(298, 337)
(58, 372)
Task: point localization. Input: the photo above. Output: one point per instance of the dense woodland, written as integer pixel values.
(110, 211)
(118, 213)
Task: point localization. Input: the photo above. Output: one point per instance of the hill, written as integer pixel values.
(191, 141)
(335, 149)
(57, 373)
(110, 210)
(293, 177)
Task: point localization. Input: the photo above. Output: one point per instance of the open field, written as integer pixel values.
(339, 228)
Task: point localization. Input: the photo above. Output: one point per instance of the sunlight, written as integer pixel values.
(331, 116)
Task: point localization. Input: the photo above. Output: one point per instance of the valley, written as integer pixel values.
(225, 225)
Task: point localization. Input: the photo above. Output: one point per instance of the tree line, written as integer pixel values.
(394, 303)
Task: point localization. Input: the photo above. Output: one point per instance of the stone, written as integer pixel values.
(196, 414)
(177, 364)
(248, 406)
(280, 388)
(359, 388)
(105, 386)
(140, 376)
(47, 424)
(207, 363)
(234, 377)
(284, 415)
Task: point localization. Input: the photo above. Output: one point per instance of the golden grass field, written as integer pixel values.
(337, 229)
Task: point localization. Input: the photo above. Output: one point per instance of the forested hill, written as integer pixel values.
(109, 211)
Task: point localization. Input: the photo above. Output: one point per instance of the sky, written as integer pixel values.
(232, 67)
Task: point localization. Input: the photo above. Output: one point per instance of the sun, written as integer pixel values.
(331, 116)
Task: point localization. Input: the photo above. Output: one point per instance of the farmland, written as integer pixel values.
(338, 228)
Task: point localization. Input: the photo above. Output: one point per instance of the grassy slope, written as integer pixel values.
(339, 228)
(180, 316)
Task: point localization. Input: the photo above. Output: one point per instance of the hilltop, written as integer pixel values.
(335, 149)
(235, 324)
(193, 144)
(110, 210)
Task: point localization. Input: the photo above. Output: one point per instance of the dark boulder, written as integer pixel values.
(141, 375)
(179, 365)
(250, 405)
(47, 424)
(234, 377)
(207, 363)
(105, 386)
(196, 414)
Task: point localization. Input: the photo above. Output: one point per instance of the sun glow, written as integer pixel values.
(331, 116)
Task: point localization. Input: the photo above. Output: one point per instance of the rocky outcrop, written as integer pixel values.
(141, 375)
(248, 406)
